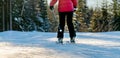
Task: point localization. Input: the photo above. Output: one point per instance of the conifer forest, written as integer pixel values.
(35, 15)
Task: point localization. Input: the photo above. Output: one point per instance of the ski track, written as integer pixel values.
(14, 44)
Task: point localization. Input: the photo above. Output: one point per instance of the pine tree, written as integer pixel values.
(30, 15)
(43, 10)
(99, 20)
(16, 11)
(116, 11)
(104, 23)
(95, 23)
(83, 15)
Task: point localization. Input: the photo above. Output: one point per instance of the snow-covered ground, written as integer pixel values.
(14, 44)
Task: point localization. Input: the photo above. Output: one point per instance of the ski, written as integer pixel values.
(65, 42)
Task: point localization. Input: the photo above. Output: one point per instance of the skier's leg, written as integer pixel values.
(71, 26)
(60, 34)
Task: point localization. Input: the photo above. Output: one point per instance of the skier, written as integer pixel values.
(65, 9)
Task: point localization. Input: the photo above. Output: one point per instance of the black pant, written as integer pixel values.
(62, 17)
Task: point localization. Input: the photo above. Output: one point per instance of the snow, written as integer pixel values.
(14, 44)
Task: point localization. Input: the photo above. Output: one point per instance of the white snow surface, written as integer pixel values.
(14, 44)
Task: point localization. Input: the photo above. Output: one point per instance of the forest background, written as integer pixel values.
(35, 15)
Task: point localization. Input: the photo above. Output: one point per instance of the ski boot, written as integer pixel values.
(60, 40)
(72, 40)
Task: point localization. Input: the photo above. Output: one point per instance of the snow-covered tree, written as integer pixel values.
(43, 11)
(23, 15)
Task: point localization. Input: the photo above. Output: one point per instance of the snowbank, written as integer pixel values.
(14, 44)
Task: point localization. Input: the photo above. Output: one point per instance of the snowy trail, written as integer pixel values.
(15, 44)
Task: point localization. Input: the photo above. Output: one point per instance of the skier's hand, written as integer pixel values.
(75, 9)
(51, 7)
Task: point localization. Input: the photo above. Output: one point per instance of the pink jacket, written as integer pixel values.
(65, 5)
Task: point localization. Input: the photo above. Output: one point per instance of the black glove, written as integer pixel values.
(51, 7)
(74, 9)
